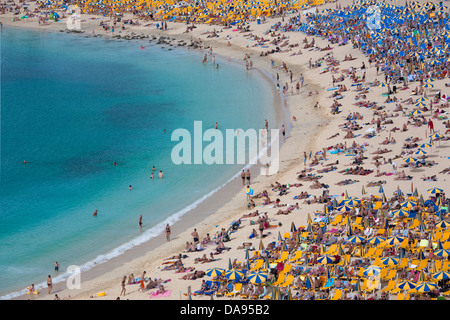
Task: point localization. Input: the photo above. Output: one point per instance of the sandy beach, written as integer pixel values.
(312, 129)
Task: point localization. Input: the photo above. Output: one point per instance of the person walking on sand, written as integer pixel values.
(247, 176)
(49, 284)
(283, 132)
(243, 177)
(168, 232)
(123, 283)
(195, 235)
(266, 125)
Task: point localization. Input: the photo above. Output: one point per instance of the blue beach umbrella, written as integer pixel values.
(372, 271)
(375, 240)
(395, 240)
(441, 275)
(389, 261)
(425, 287)
(442, 253)
(257, 277)
(234, 275)
(407, 285)
(435, 190)
(215, 272)
(325, 259)
(355, 239)
(400, 213)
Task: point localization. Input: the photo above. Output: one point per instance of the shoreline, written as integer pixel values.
(233, 195)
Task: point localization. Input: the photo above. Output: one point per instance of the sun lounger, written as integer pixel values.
(337, 295)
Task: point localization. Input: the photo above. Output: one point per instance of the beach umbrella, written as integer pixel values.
(408, 204)
(344, 208)
(325, 259)
(381, 190)
(355, 239)
(428, 85)
(372, 270)
(436, 136)
(443, 224)
(395, 240)
(293, 228)
(389, 261)
(442, 253)
(441, 275)
(308, 282)
(420, 152)
(215, 272)
(425, 287)
(234, 274)
(358, 285)
(410, 160)
(261, 245)
(426, 145)
(257, 277)
(435, 190)
(407, 285)
(376, 240)
(400, 213)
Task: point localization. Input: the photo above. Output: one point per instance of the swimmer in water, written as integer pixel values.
(153, 168)
(130, 187)
(151, 176)
(216, 126)
(114, 163)
(95, 213)
(161, 175)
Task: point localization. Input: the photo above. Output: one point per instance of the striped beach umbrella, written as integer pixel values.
(436, 136)
(444, 224)
(352, 202)
(435, 190)
(325, 259)
(410, 160)
(420, 152)
(215, 272)
(372, 270)
(426, 145)
(408, 204)
(234, 275)
(356, 239)
(395, 240)
(308, 282)
(376, 240)
(441, 275)
(344, 208)
(407, 285)
(400, 213)
(389, 261)
(442, 253)
(257, 277)
(425, 287)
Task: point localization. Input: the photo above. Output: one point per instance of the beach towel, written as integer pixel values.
(156, 294)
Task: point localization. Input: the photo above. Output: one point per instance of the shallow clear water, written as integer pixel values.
(71, 106)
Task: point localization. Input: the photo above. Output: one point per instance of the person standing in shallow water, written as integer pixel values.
(243, 177)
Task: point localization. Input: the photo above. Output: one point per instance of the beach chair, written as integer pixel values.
(286, 269)
(288, 282)
(445, 236)
(258, 264)
(438, 264)
(390, 286)
(229, 288)
(446, 245)
(438, 235)
(403, 263)
(413, 264)
(381, 232)
(358, 221)
(400, 296)
(365, 284)
(287, 235)
(337, 220)
(414, 224)
(370, 252)
(337, 294)
(284, 256)
(236, 290)
(280, 279)
(297, 256)
(391, 274)
(329, 284)
(445, 266)
(332, 249)
(422, 264)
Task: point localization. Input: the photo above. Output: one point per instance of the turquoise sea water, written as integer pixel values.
(71, 106)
